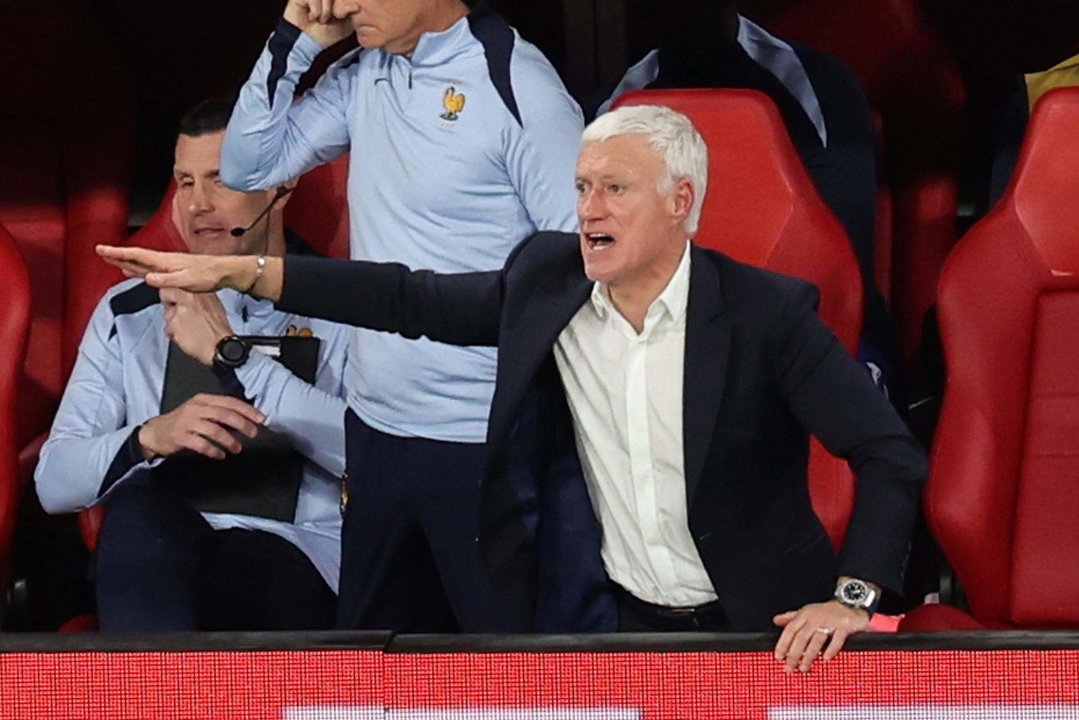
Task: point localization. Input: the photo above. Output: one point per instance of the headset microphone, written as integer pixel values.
(282, 191)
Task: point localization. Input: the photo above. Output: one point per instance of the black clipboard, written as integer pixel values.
(264, 478)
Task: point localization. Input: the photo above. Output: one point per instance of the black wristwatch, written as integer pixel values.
(857, 594)
(231, 352)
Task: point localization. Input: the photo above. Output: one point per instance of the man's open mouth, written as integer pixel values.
(599, 241)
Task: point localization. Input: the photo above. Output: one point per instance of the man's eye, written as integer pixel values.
(615, 189)
(581, 189)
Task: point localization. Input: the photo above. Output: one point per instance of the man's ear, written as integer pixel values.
(682, 196)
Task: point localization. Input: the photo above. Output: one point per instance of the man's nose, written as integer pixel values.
(343, 8)
(201, 199)
(589, 205)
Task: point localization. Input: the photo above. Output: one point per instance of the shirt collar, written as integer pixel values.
(672, 301)
(236, 303)
(437, 48)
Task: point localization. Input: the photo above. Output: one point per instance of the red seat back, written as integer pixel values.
(161, 231)
(66, 144)
(914, 83)
(318, 210)
(761, 208)
(1003, 497)
(14, 330)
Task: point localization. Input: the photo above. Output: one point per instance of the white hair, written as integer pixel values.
(672, 135)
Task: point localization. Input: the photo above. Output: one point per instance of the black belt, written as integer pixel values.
(708, 617)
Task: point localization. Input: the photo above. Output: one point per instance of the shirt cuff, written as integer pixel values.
(294, 40)
(252, 374)
(127, 457)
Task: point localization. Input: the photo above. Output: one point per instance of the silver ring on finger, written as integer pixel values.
(825, 630)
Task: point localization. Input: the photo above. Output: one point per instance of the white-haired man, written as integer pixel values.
(675, 384)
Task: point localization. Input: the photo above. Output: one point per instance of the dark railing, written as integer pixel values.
(612, 643)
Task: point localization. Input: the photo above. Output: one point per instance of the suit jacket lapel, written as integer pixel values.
(708, 338)
(555, 300)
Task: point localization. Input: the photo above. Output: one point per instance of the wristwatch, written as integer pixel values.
(857, 594)
(231, 352)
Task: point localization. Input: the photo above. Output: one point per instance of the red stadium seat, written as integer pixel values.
(66, 146)
(761, 208)
(1002, 496)
(914, 84)
(318, 210)
(14, 330)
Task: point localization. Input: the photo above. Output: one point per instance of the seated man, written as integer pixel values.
(707, 44)
(675, 385)
(161, 565)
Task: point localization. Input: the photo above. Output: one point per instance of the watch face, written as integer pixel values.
(233, 350)
(855, 592)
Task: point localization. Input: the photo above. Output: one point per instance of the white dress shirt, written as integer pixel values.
(625, 393)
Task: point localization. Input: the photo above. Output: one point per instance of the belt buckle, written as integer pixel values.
(683, 612)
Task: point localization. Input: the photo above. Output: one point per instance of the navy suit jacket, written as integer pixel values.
(761, 372)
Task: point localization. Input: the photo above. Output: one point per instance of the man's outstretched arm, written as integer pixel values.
(459, 309)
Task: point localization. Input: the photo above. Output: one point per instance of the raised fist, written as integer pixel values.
(327, 21)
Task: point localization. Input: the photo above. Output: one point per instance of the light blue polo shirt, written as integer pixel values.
(457, 154)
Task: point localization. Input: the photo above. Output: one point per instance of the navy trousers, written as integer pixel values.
(410, 560)
(161, 568)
